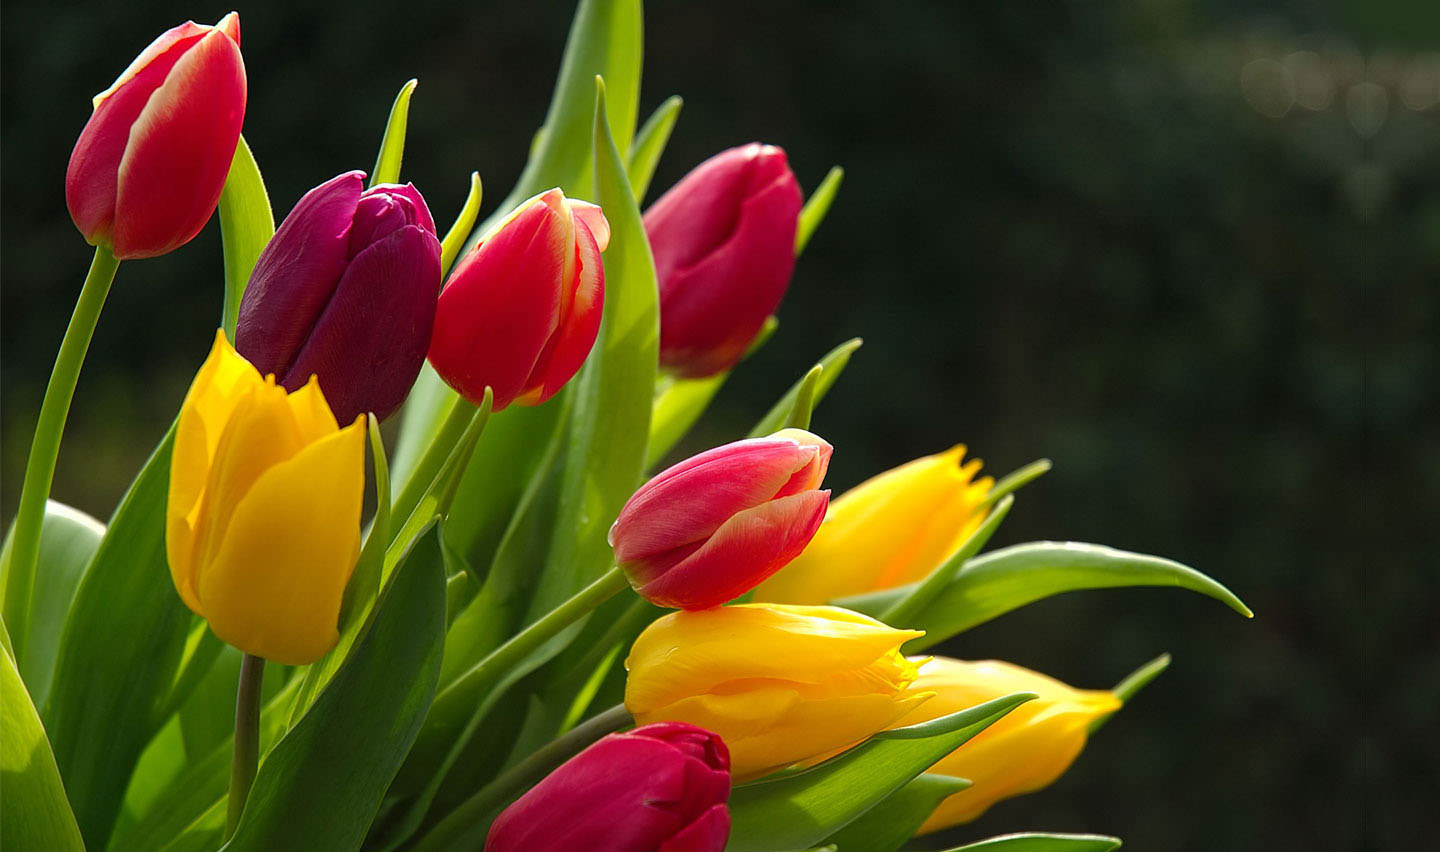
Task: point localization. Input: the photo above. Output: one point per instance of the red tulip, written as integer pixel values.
(658, 788)
(713, 526)
(724, 246)
(148, 168)
(345, 291)
(521, 310)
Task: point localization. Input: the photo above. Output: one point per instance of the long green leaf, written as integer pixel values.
(816, 206)
(246, 225)
(650, 144)
(800, 810)
(831, 366)
(1132, 684)
(1006, 579)
(320, 786)
(463, 225)
(1043, 843)
(392, 144)
(37, 817)
(887, 826)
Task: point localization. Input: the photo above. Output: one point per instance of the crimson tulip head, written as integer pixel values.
(724, 245)
(345, 291)
(522, 309)
(148, 168)
(658, 788)
(713, 526)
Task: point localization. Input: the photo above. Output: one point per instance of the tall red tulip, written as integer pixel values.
(713, 526)
(345, 291)
(522, 309)
(658, 788)
(724, 245)
(148, 168)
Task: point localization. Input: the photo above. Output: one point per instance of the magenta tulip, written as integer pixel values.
(724, 245)
(520, 312)
(149, 166)
(712, 527)
(346, 291)
(658, 788)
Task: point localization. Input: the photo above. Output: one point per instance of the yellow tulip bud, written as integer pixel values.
(892, 529)
(1025, 750)
(780, 684)
(263, 520)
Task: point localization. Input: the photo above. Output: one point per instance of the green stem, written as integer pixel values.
(475, 813)
(422, 476)
(247, 738)
(45, 446)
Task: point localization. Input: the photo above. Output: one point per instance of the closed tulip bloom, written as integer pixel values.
(890, 530)
(346, 291)
(708, 529)
(263, 518)
(1027, 749)
(148, 168)
(723, 239)
(522, 309)
(658, 788)
(780, 684)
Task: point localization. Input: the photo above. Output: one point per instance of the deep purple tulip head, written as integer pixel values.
(346, 291)
(658, 788)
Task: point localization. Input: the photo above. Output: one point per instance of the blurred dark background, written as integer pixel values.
(1189, 250)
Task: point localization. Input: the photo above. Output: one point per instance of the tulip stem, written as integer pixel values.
(247, 738)
(45, 446)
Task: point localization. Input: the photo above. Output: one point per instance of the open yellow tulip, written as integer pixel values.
(892, 529)
(780, 684)
(263, 519)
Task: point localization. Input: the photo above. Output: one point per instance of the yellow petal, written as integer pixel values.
(275, 585)
(313, 418)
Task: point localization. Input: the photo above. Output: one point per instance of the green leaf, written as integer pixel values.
(1043, 843)
(119, 651)
(464, 224)
(392, 144)
(1132, 684)
(246, 225)
(799, 417)
(816, 206)
(887, 826)
(1007, 579)
(832, 364)
(37, 817)
(1015, 480)
(322, 783)
(799, 810)
(68, 539)
(650, 144)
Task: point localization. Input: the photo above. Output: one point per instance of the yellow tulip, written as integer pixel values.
(780, 684)
(892, 529)
(1027, 749)
(263, 520)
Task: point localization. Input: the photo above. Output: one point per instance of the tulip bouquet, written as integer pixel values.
(510, 629)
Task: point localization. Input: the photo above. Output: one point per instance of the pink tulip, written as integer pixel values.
(522, 309)
(713, 526)
(148, 168)
(658, 788)
(724, 246)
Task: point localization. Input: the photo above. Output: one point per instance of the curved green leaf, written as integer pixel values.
(650, 144)
(816, 206)
(1016, 479)
(799, 810)
(464, 224)
(392, 144)
(246, 225)
(799, 417)
(1132, 684)
(832, 364)
(1043, 843)
(906, 609)
(887, 826)
(37, 817)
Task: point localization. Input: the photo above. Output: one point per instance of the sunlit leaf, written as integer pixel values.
(392, 144)
(816, 206)
(246, 225)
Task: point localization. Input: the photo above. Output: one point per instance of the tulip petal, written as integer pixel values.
(594, 220)
(709, 833)
(275, 585)
(181, 36)
(180, 149)
(580, 323)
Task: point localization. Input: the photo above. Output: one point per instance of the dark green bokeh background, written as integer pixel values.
(1189, 250)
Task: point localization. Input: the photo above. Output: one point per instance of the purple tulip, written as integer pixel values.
(346, 291)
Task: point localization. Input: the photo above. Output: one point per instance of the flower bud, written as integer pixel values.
(723, 239)
(892, 529)
(522, 309)
(1025, 750)
(780, 684)
(708, 529)
(658, 788)
(263, 518)
(345, 291)
(149, 166)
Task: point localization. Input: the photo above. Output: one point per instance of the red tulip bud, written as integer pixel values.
(522, 309)
(658, 788)
(713, 526)
(724, 246)
(148, 168)
(345, 291)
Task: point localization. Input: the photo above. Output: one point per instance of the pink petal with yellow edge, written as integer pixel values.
(594, 219)
(182, 36)
(579, 323)
(274, 588)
